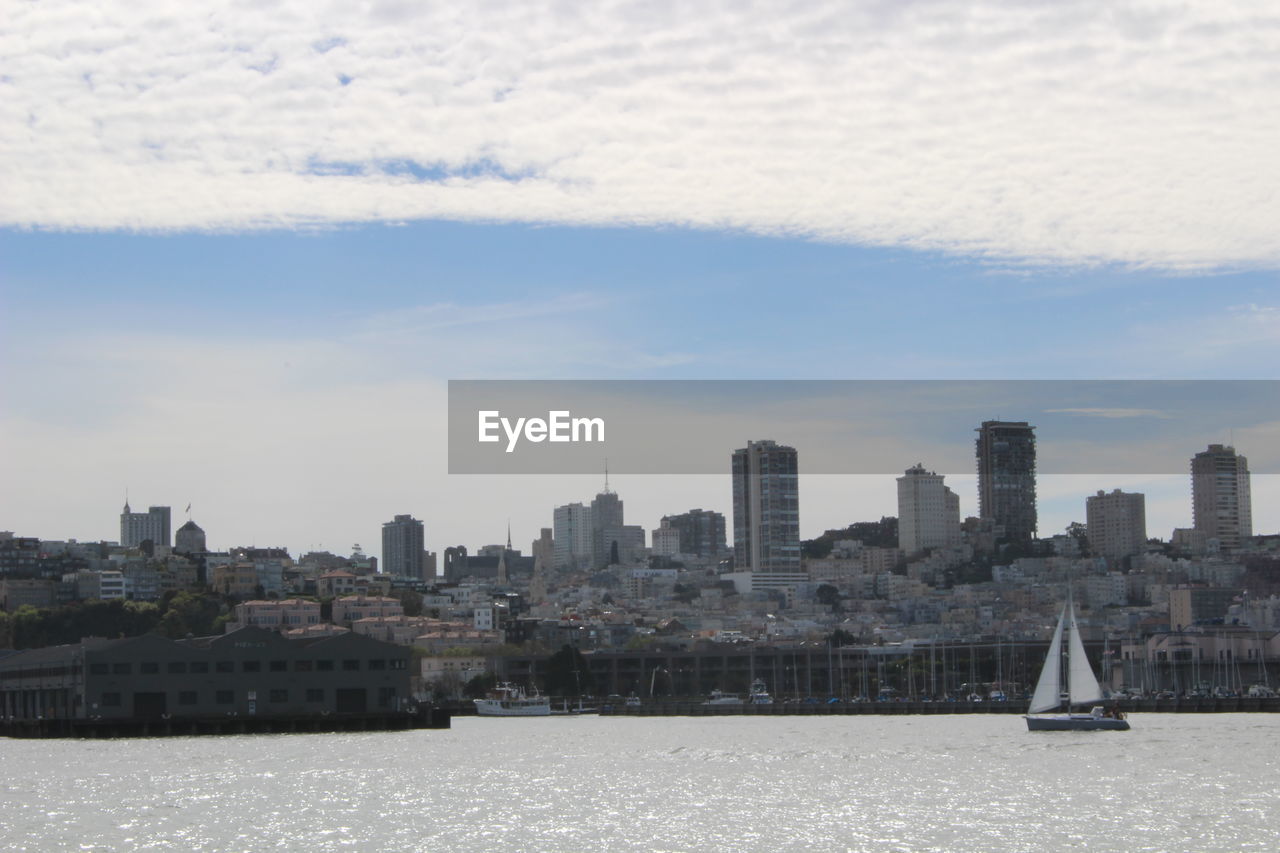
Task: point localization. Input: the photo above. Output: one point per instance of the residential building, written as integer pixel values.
(1006, 452)
(403, 554)
(928, 511)
(139, 527)
(1221, 503)
(1116, 524)
(766, 513)
(702, 533)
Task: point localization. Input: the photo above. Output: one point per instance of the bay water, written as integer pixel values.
(1176, 782)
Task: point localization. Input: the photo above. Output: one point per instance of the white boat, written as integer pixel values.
(759, 693)
(1082, 687)
(509, 700)
(720, 698)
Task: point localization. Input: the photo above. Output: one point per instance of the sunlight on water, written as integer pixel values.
(1176, 782)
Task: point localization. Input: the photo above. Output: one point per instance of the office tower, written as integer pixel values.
(402, 551)
(1007, 478)
(702, 533)
(138, 527)
(1116, 524)
(1220, 502)
(928, 511)
(606, 527)
(766, 513)
(189, 539)
(571, 524)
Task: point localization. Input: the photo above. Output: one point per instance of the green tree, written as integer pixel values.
(567, 674)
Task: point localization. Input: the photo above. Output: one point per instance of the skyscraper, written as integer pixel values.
(928, 511)
(1006, 453)
(1116, 523)
(1220, 501)
(766, 513)
(571, 525)
(402, 549)
(138, 527)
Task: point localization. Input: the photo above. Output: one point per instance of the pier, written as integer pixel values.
(425, 718)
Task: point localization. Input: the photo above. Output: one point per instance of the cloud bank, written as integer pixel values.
(1076, 132)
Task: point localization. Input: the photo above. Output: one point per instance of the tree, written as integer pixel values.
(480, 685)
(567, 674)
(409, 600)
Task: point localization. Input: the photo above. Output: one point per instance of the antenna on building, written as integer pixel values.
(508, 534)
(606, 475)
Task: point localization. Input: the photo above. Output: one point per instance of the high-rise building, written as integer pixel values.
(572, 531)
(928, 511)
(138, 527)
(606, 527)
(702, 533)
(766, 513)
(544, 549)
(403, 554)
(1220, 501)
(1116, 523)
(1006, 453)
(189, 539)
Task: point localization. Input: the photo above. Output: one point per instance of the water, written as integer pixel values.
(1176, 782)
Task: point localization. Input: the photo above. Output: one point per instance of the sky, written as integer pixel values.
(243, 250)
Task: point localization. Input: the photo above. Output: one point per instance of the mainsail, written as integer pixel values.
(1046, 697)
(1084, 687)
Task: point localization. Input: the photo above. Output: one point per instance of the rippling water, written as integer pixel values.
(1176, 782)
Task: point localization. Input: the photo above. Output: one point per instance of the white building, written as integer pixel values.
(572, 536)
(928, 511)
(1117, 523)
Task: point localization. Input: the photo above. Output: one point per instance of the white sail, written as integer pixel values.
(1049, 687)
(1084, 687)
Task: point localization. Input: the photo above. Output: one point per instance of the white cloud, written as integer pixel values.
(1070, 132)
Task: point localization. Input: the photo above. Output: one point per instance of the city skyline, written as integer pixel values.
(189, 308)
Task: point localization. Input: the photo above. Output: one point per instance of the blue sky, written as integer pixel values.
(191, 309)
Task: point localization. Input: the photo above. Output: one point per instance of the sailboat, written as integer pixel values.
(1082, 686)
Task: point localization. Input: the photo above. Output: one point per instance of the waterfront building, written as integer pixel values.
(766, 514)
(1006, 452)
(252, 672)
(139, 527)
(1116, 524)
(928, 511)
(1221, 503)
(403, 554)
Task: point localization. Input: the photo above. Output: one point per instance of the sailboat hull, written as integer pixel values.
(1075, 723)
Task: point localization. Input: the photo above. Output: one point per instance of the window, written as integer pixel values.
(224, 666)
(324, 665)
(251, 666)
(98, 669)
(315, 694)
(199, 667)
(149, 668)
(350, 664)
(278, 696)
(386, 697)
(186, 697)
(279, 666)
(121, 669)
(399, 664)
(111, 700)
(177, 667)
(302, 665)
(223, 697)
(377, 665)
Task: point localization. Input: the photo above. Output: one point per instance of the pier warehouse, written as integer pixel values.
(251, 672)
